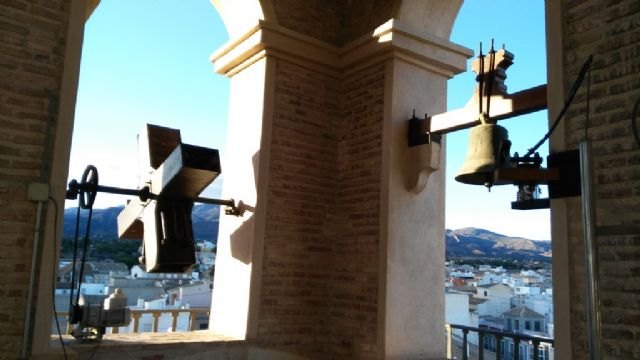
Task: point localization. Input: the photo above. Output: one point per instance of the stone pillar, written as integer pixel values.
(341, 253)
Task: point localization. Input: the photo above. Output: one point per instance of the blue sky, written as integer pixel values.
(148, 61)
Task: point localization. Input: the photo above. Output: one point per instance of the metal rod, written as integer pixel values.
(590, 250)
(28, 322)
(214, 201)
(465, 345)
(449, 340)
(119, 191)
(145, 193)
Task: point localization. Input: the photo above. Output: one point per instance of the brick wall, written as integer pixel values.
(610, 30)
(320, 273)
(318, 19)
(32, 45)
(301, 202)
(356, 272)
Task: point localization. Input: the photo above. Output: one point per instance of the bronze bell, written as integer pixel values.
(488, 150)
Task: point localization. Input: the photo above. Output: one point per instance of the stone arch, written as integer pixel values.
(239, 16)
(435, 17)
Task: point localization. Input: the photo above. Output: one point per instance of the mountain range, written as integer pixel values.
(104, 224)
(465, 243)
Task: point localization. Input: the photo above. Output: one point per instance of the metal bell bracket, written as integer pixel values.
(503, 105)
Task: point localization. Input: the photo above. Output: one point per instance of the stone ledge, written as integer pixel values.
(178, 345)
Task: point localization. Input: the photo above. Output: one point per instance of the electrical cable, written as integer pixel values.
(634, 125)
(54, 272)
(574, 89)
(73, 262)
(85, 250)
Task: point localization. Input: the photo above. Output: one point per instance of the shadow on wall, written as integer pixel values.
(242, 238)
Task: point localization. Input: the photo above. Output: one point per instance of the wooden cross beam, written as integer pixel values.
(176, 174)
(503, 105)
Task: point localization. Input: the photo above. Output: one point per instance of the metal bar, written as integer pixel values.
(536, 350)
(145, 193)
(516, 348)
(480, 345)
(449, 342)
(590, 250)
(27, 336)
(499, 347)
(465, 345)
(504, 334)
(115, 190)
(214, 201)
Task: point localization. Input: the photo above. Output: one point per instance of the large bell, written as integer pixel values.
(488, 150)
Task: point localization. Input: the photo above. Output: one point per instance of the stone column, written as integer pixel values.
(341, 253)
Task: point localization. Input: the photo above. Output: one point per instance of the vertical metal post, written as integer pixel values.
(449, 335)
(465, 345)
(27, 337)
(590, 250)
(536, 349)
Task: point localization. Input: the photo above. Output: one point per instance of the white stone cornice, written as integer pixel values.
(390, 40)
(270, 39)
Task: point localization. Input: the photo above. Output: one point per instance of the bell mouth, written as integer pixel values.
(488, 151)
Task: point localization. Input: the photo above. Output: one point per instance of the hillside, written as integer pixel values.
(478, 243)
(465, 243)
(104, 223)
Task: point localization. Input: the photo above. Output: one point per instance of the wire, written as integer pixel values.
(634, 126)
(73, 261)
(574, 89)
(55, 272)
(85, 250)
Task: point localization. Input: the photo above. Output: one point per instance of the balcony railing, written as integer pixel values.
(501, 338)
(136, 316)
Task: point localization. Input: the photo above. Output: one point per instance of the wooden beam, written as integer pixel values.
(502, 107)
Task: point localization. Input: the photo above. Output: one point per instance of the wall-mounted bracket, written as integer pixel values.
(418, 137)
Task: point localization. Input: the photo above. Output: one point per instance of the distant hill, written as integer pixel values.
(104, 222)
(466, 243)
(469, 243)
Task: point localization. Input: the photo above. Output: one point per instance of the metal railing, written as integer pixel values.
(499, 336)
(136, 315)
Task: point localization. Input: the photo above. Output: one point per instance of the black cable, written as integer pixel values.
(73, 261)
(85, 250)
(55, 272)
(634, 126)
(574, 89)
